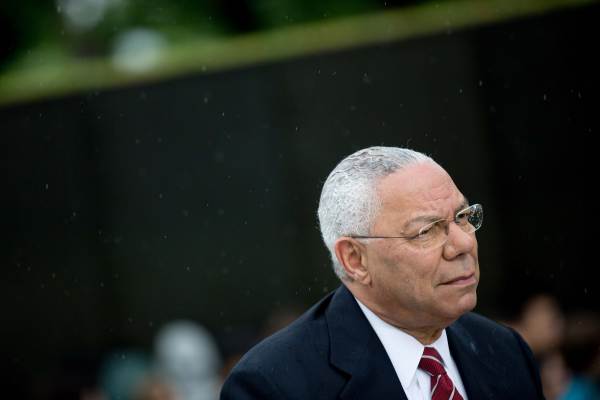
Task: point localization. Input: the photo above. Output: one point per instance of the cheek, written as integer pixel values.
(412, 273)
(402, 268)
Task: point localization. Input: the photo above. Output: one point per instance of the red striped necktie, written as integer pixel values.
(442, 387)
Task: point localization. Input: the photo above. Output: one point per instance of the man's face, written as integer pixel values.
(411, 285)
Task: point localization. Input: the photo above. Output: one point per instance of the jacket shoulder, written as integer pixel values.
(292, 355)
(497, 349)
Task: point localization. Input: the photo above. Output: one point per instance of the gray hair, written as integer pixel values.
(349, 202)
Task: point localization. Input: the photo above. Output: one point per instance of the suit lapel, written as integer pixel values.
(356, 350)
(474, 372)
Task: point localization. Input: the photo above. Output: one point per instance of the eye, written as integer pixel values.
(427, 230)
(464, 216)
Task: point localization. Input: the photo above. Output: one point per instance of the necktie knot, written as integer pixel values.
(442, 387)
(431, 362)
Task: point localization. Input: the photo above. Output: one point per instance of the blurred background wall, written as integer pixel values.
(181, 180)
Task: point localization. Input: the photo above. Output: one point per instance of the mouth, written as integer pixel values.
(464, 280)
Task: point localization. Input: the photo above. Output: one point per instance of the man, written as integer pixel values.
(402, 241)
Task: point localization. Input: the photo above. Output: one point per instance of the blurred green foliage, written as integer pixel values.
(63, 46)
(44, 27)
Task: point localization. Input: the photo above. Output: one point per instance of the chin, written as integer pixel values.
(467, 303)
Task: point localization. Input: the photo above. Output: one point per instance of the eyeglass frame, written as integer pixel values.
(410, 238)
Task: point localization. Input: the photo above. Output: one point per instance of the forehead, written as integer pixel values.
(418, 189)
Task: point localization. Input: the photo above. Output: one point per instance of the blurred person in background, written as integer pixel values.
(402, 241)
(566, 347)
(123, 374)
(188, 361)
(542, 324)
(581, 353)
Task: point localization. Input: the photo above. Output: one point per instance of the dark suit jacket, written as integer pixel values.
(332, 352)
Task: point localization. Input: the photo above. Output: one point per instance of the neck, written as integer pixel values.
(424, 333)
(424, 336)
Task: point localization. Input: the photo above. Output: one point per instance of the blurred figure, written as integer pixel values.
(123, 374)
(581, 353)
(541, 324)
(554, 374)
(187, 360)
(154, 388)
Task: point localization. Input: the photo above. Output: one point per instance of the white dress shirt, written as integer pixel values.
(405, 353)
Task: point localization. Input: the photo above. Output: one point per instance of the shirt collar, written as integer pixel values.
(403, 350)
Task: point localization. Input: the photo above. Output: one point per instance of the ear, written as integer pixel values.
(352, 255)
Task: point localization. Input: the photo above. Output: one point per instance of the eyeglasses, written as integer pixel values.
(435, 234)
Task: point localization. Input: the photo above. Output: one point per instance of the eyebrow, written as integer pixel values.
(432, 218)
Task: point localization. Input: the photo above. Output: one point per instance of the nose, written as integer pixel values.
(459, 242)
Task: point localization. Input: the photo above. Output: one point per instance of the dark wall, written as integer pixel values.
(197, 197)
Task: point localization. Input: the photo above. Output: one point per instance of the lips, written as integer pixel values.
(462, 280)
